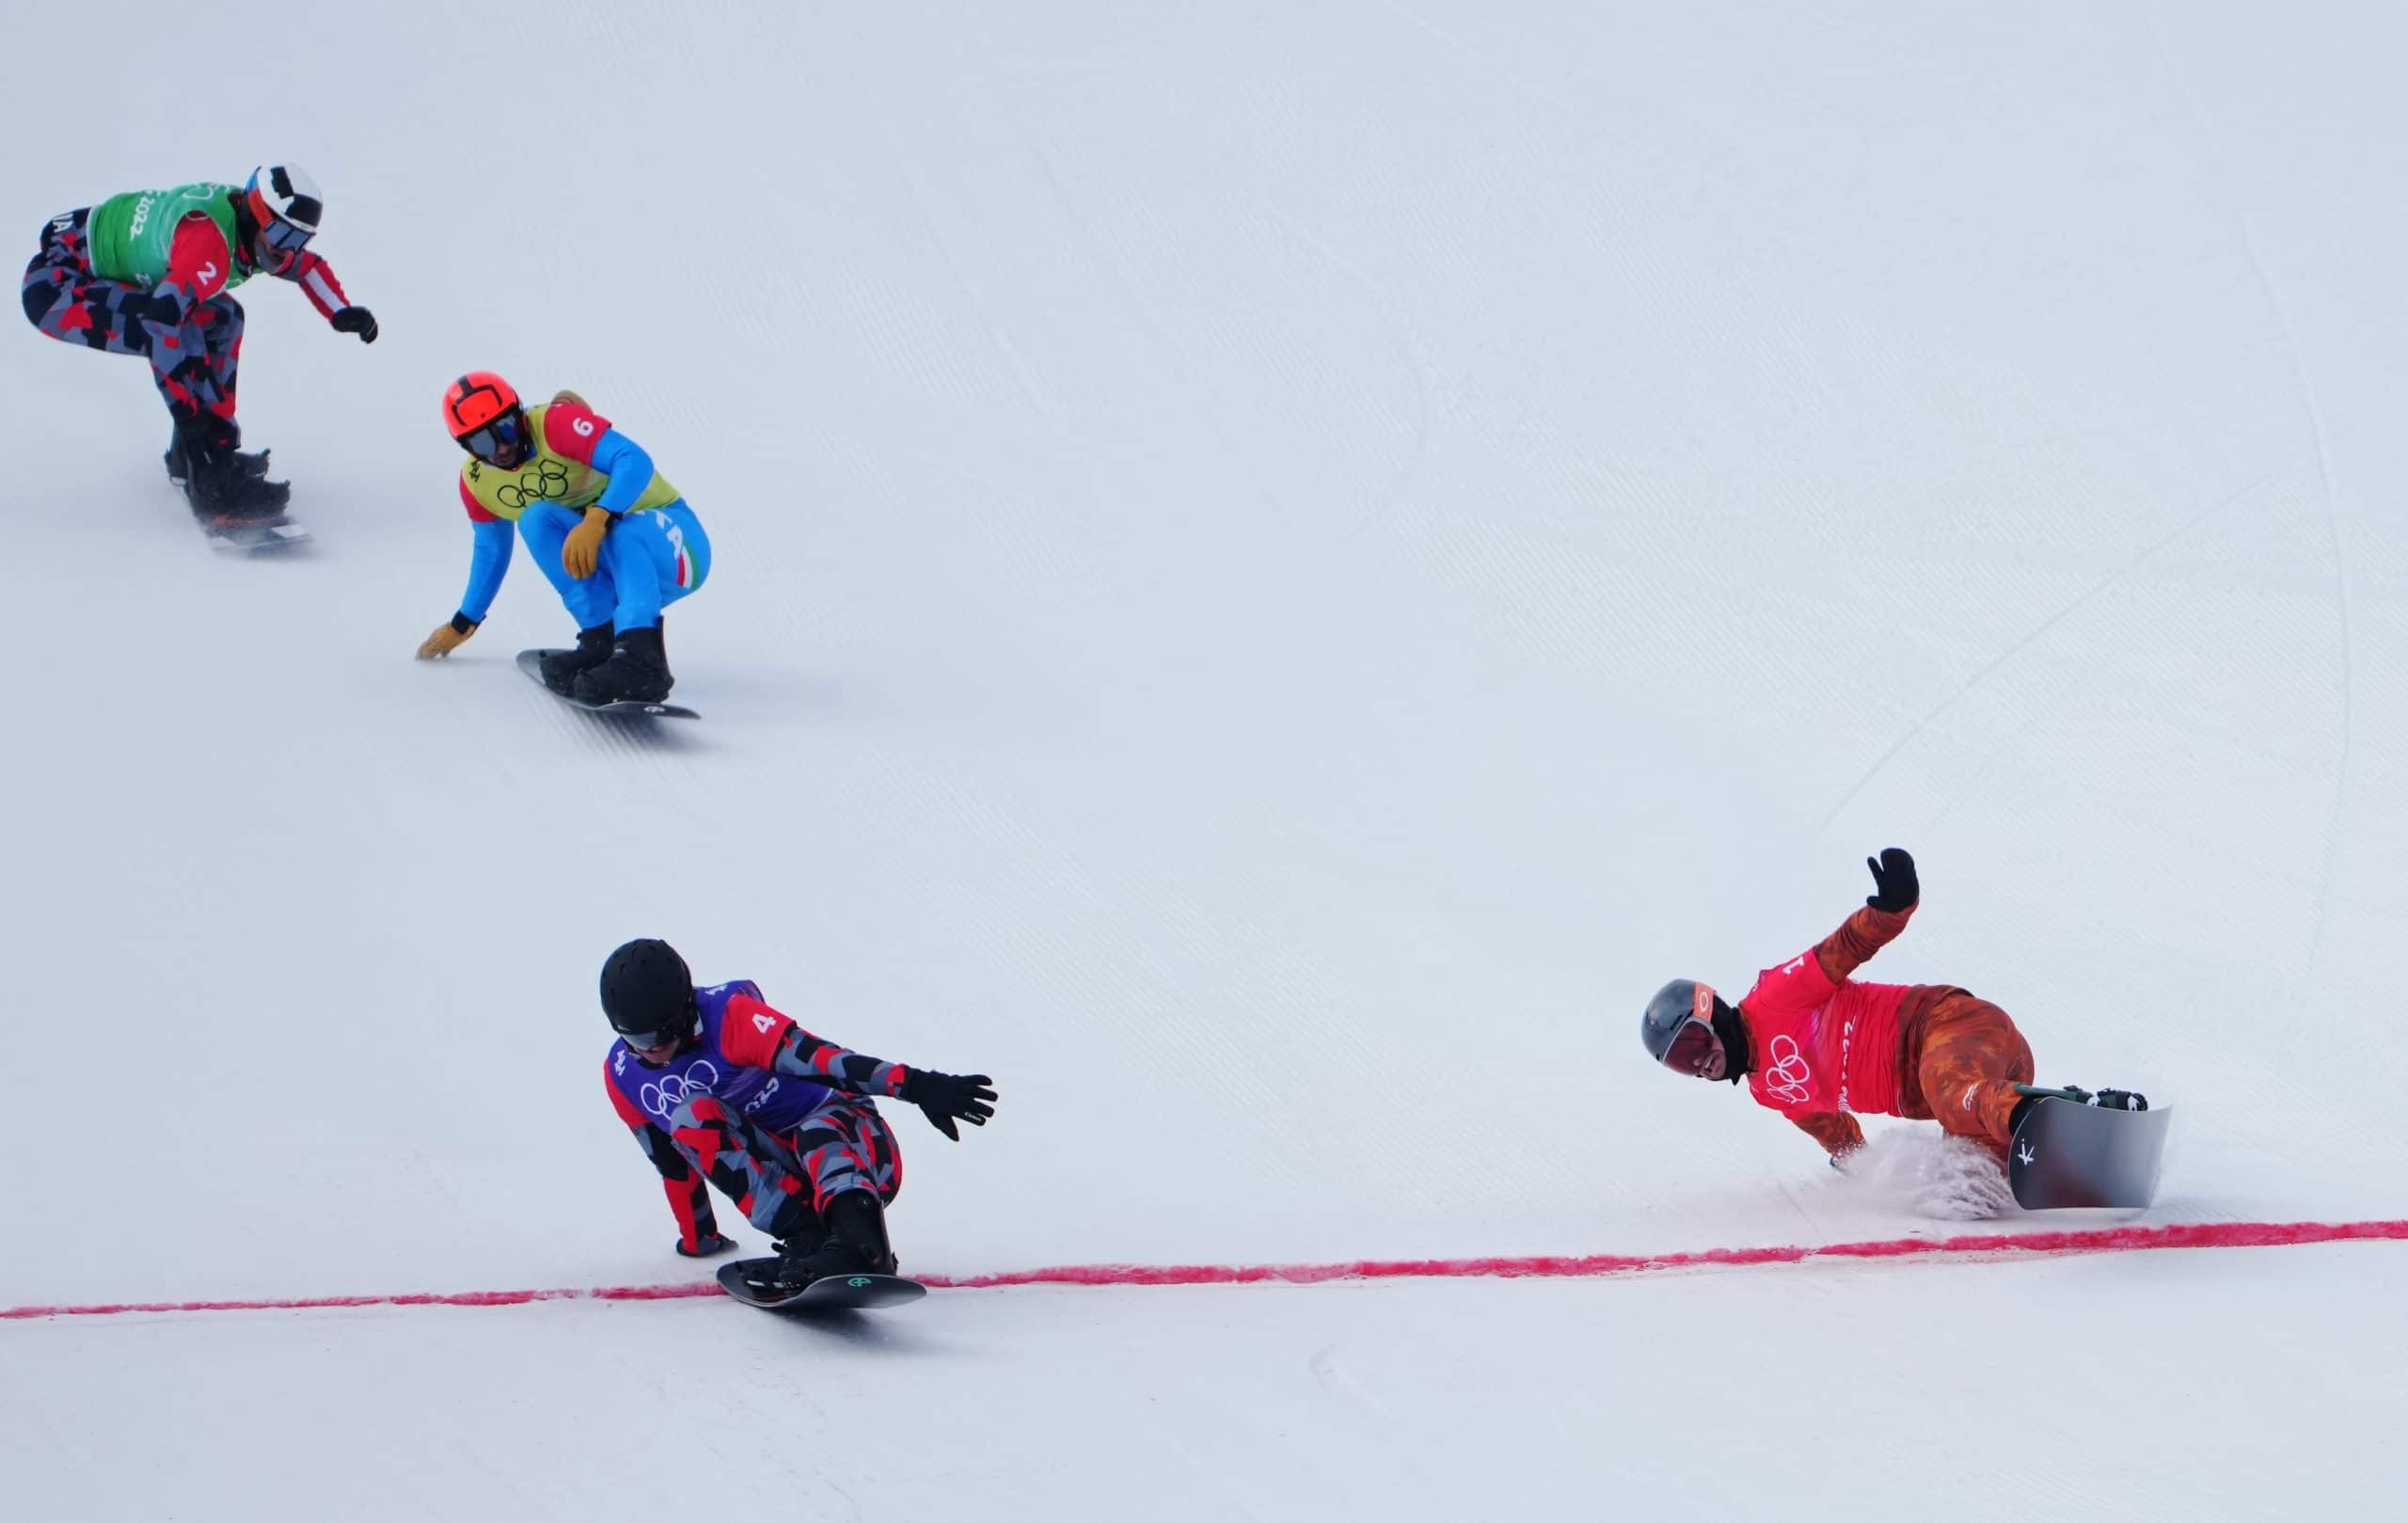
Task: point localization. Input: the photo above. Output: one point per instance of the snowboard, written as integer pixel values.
(255, 538)
(531, 662)
(753, 1281)
(2069, 1154)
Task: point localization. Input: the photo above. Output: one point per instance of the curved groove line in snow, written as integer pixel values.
(1982, 672)
(1589, 1266)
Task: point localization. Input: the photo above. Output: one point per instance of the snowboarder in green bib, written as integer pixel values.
(148, 273)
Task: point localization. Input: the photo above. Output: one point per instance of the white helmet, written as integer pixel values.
(281, 197)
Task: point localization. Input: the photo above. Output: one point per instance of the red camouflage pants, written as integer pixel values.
(1966, 1058)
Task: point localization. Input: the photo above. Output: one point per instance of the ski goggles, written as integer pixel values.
(279, 245)
(286, 238)
(1695, 1043)
(677, 1030)
(505, 436)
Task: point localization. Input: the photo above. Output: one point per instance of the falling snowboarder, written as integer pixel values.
(1821, 1048)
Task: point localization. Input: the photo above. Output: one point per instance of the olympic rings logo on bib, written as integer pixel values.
(548, 480)
(1789, 1080)
(675, 1090)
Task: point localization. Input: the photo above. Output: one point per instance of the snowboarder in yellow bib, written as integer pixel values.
(614, 537)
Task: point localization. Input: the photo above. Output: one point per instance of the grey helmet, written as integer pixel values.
(1675, 1006)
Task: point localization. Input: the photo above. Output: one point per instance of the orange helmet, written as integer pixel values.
(476, 399)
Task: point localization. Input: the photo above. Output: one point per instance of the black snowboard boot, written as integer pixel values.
(561, 667)
(855, 1245)
(2112, 1100)
(256, 500)
(636, 672)
(178, 471)
(217, 482)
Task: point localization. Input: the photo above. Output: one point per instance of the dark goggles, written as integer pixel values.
(1692, 1046)
(285, 237)
(673, 1030)
(505, 436)
(646, 1041)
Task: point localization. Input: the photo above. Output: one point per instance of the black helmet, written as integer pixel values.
(647, 993)
(1675, 1007)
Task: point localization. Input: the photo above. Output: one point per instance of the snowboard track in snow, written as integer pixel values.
(1972, 1247)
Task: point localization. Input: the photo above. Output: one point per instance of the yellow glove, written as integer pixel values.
(448, 637)
(584, 545)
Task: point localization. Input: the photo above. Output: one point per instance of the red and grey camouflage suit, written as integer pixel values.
(772, 1117)
(186, 324)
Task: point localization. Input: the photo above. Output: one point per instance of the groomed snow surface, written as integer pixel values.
(1278, 569)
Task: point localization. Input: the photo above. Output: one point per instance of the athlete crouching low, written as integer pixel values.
(719, 1087)
(616, 541)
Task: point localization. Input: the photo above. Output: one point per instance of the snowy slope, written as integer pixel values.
(1436, 1399)
(1279, 569)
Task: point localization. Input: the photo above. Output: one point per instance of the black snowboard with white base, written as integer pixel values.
(2070, 1154)
(531, 662)
(757, 1282)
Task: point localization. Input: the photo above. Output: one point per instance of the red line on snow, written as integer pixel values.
(2106, 1240)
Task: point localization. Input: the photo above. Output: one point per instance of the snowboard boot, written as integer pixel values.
(855, 1245)
(218, 483)
(256, 499)
(636, 672)
(2112, 1100)
(561, 668)
(178, 471)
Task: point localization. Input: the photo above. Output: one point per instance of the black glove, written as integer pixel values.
(711, 1243)
(1893, 881)
(358, 319)
(946, 1098)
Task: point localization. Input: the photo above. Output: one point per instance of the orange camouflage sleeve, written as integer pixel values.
(1836, 1131)
(1859, 937)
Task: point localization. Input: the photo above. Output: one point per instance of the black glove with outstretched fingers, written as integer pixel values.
(947, 1097)
(1893, 881)
(358, 319)
(709, 1243)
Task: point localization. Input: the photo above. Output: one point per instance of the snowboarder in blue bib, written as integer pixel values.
(723, 1091)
